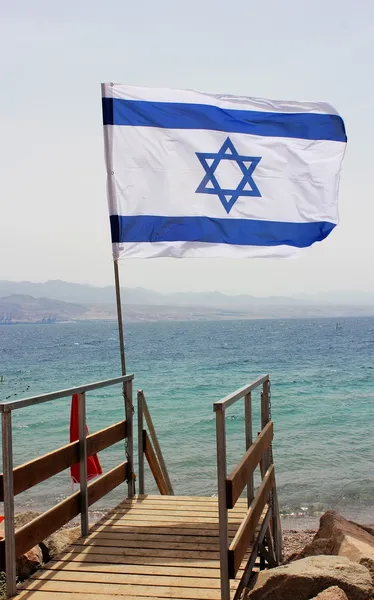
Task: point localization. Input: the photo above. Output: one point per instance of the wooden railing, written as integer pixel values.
(260, 531)
(13, 481)
(149, 447)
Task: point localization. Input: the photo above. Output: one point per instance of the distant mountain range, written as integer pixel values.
(59, 300)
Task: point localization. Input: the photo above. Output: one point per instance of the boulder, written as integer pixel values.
(32, 560)
(332, 593)
(21, 519)
(347, 539)
(315, 548)
(57, 542)
(29, 562)
(307, 577)
(369, 528)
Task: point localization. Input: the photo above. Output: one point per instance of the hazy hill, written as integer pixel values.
(19, 307)
(89, 294)
(61, 301)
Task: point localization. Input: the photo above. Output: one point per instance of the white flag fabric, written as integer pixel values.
(192, 174)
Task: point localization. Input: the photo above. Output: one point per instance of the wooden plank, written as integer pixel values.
(167, 519)
(37, 530)
(128, 579)
(209, 512)
(151, 556)
(176, 513)
(246, 531)
(175, 506)
(96, 442)
(42, 468)
(156, 445)
(154, 465)
(106, 483)
(239, 477)
(130, 530)
(82, 554)
(47, 595)
(128, 522)
(85, 564)
(149, 536)
(116, 537)
(161, 499)
(135, 542)
(167, 553)
(124, 590)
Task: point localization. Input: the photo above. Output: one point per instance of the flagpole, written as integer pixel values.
(119, 317)
(127, 396)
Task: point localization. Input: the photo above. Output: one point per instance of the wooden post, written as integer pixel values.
(222, 503)
(83, 463)
(140, 442)
(248, 441)
(275, 520)
(265, 418)
(10, 546)
(157, 447)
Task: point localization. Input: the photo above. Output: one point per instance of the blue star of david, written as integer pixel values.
(246, 187)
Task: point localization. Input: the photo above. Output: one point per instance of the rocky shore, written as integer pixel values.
(334, 563)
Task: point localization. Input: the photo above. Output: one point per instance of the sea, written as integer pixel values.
(322, 402)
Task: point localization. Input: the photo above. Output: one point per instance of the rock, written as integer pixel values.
(369, 528)
(32, 560)
(315, 548)
(307, 577)
(294, 541)
(29, 562)
(21, 519)
(347, 539)
(332, 593)
(57, 542)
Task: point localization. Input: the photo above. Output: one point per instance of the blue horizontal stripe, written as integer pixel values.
(170, 115)
(241, 232)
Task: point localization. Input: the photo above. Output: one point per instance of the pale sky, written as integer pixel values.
(54, 55)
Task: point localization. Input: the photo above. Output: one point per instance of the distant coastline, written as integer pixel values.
(52, 302)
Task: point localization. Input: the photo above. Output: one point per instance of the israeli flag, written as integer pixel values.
(192, 174)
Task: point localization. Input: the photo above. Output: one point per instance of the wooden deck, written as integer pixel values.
(150, 546)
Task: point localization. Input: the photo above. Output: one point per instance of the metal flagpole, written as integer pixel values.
(119, 317)
(126, 394)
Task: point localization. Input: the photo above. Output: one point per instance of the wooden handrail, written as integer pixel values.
(35, 471)
(154, 465)
(44, 525)
(239, 476)
(235, 396)
(17, 404)
(244, 535)
(16, 480)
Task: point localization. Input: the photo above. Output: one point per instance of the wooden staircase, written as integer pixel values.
(167, 546)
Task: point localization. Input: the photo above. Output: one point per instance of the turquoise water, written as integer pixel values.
(322, 400)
